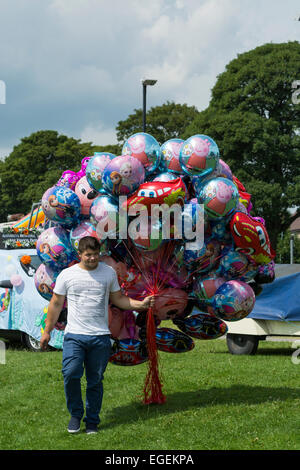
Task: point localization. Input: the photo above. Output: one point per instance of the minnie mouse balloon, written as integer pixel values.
(145, 148)
(95, 168)
(86, 195)
(123, 175)
(199, 155)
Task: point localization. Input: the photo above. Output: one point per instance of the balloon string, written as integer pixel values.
(153, 387)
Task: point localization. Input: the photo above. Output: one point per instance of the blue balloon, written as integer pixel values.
(62, 205)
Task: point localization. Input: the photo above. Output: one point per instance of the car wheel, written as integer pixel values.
(242, 344)
(31, 343)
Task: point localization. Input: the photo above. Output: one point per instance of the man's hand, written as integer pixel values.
(44, 341)
(148, 302)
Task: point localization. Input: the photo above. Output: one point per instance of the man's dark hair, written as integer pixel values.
(88, 243)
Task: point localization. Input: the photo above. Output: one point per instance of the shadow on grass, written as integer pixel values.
(182, 401)
(263, 351)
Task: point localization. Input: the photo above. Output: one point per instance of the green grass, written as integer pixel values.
(214, 401)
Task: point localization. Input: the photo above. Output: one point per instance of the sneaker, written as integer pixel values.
(74, 425)
(91, 428)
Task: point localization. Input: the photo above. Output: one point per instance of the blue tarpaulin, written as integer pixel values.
(279, 300)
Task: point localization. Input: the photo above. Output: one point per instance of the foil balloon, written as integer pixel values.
(233, 300)
(173, 341)
(147, 236)
(204, 288)
(194, 223)
(86, 195)
(223, 170)
(202, 326)
(115, 320)
(165, 176)
(170, 152)
(123, 175)
(128, 352)
(60, 204)
(244, 197)
(158, 192)
(145, 148)
(219, 197)
(199, 155)
(44, 280)
(84, 229)
(170, 303)
(129, 328)
(203, 259)
(251, 238)
(233, 264)
(69, 179)
(265, 273)
(104, 214)
(54, 248)
(95, 168)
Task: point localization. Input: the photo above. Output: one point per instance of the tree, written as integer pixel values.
(35, 165)
(255, 123)
(163, 122)
(283, 249)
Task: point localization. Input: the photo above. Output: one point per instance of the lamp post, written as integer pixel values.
(146, 82)
(292, 238)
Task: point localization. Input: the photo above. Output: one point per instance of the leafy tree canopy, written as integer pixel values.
(36, 164)
(255, 123)
(164, 122)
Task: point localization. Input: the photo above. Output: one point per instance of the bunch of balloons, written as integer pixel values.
(199, 284)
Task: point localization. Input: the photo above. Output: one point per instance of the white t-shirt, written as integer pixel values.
(88, 296)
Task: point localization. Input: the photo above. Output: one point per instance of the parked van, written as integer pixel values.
(22, 308)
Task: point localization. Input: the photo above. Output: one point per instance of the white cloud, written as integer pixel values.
(76, 65)
(98, 134)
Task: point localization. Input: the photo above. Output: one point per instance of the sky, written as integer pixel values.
(75, 66)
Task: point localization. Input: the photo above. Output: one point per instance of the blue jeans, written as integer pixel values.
(91, 353)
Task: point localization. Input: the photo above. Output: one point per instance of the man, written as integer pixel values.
(88, 287)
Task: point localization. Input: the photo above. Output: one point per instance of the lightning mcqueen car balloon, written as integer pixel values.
(158, 192)
(251, 238)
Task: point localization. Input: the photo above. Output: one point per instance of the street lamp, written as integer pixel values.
(146, 82)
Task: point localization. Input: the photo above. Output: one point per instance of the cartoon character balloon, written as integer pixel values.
(95, 168)
(170, 152)
(219, 197)
(84, 229)
(54, 248)
(86, 195)
(62, 205)
(199, 155)
(104, 215)
(145, 148)
(44, 280)
(251, 238)
(233, 300)
(123, 175)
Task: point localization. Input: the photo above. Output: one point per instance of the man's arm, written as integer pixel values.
(54, 309)
(126, 303)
